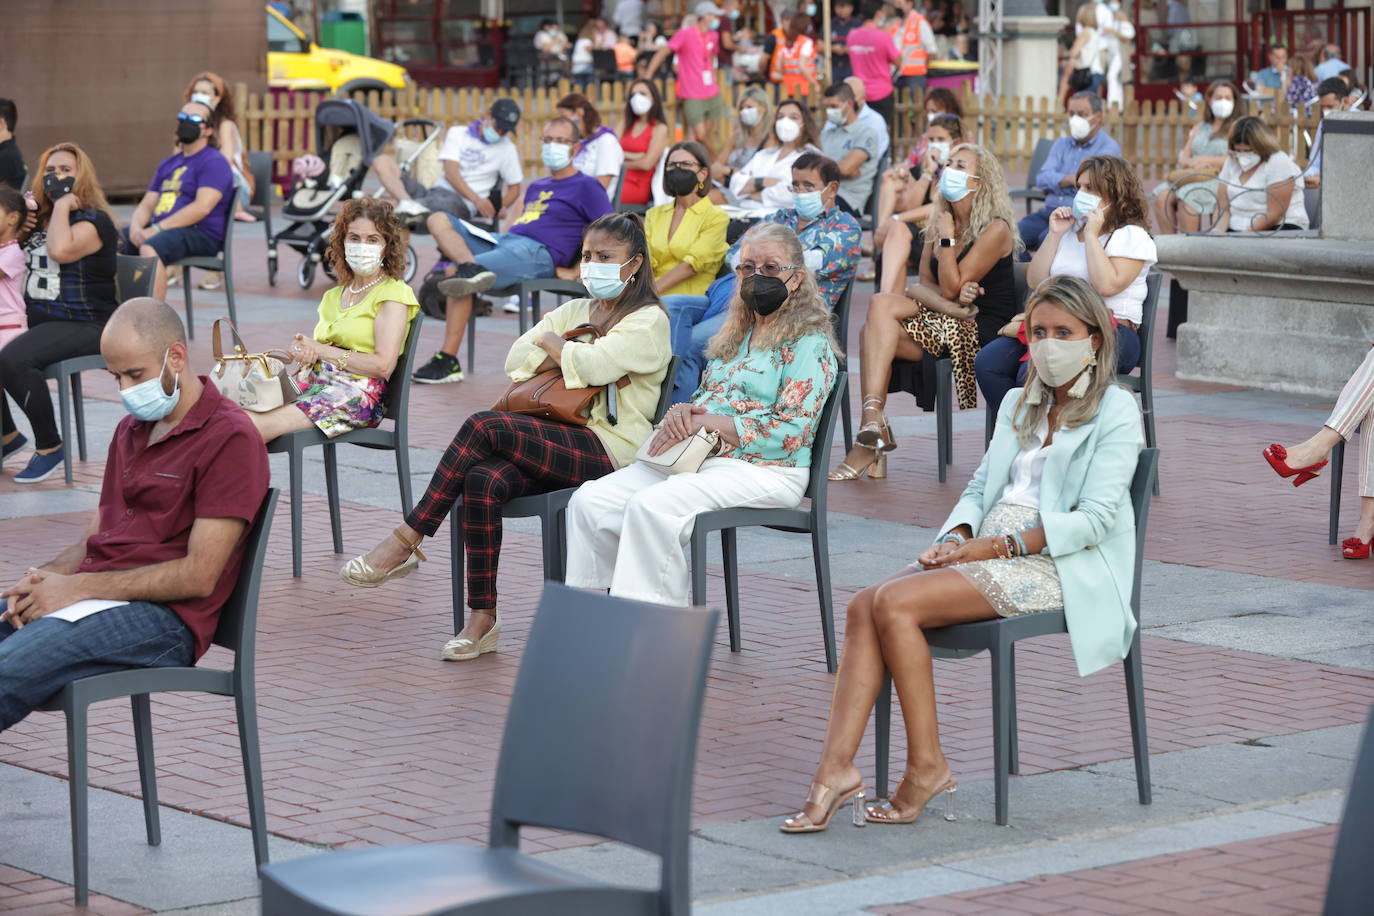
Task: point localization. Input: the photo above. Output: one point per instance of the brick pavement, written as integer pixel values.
(368, 738)
(1275, 876)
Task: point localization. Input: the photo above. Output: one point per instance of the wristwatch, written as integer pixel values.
(947, 243)
(758, 184)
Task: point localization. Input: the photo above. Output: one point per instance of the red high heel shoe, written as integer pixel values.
(1356, 549)
(1276, 454)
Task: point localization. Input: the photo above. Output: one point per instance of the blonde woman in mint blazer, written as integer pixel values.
(1050, 506)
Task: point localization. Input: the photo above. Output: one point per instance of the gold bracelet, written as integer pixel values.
(342, 361)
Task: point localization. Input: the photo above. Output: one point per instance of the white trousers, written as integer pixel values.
(1354, 407)
(626, 530)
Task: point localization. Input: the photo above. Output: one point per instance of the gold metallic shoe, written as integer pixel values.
(358, 571)
(875, 469)
(462, 649)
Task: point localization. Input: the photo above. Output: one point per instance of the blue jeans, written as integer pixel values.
(514, 259)
(174, 245)
(1034, 227)
(999, 368)
(44, 656)
(691, 329)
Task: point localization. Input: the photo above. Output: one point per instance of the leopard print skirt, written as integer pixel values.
(942, 335)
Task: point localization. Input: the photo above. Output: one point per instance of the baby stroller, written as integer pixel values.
(349, 138)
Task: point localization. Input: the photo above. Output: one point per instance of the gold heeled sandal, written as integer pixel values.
(875, 434)
(358, 571)
(829, 801)
(462, 649)
(876, 470)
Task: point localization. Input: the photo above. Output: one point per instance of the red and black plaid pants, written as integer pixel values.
(495, 458)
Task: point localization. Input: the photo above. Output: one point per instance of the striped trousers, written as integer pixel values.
(1353, 407)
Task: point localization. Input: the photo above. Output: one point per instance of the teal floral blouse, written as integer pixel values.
(776, 397)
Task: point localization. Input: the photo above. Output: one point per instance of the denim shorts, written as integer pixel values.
(173, 245)
(514, 259)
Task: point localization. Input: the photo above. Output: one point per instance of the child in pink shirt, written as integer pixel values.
(13, 317)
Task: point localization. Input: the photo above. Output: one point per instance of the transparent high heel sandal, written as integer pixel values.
(887, 814)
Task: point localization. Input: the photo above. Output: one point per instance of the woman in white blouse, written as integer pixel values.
(766, 179)
(1103, 238)
(599, 154)
(1259, 184)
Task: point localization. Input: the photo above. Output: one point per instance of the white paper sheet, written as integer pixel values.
(82, 609)
(479, 232)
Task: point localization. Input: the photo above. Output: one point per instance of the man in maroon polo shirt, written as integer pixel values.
(143, 587)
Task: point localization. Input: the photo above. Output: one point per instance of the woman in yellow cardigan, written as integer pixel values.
(687, 236)
(497, 456)
(1046, 523)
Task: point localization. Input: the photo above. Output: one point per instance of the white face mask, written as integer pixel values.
(749, 117)
(1079, 126)
(641, 103)
(787, 130)
(834, 115)
(1222, 108)
(1058, 362)
(363, 259)
(939, 149)
(1247, 161)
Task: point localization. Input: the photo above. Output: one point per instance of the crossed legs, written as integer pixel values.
(881, 340)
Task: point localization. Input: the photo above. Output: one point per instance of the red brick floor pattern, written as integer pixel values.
(369, 738)
(25, 894)
(1274, 876)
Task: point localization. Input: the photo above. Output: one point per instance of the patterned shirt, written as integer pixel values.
(776, 396)
(80, 290)
(832, 245)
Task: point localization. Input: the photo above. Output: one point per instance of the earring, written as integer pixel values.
(1085, 379)
(1035, 392)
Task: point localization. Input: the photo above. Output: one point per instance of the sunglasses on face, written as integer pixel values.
(193, 118)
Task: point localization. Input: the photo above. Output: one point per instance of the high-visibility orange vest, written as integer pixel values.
(792, 67)
(908, 38)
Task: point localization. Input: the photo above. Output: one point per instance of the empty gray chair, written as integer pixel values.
(1351, 883)
(801, 520)
(999, 635)
(223, 262)
(396, 439)
(549, 508)
(260, 164)
(237, 631)
(600, 739)
(133, 279)
(1030, 193)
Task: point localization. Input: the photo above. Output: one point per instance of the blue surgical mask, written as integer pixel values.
(809, 204)
(811, 9)
(490, 134)
(603, 280)
(954, 185)
(556, 155)
(148, 400)
(1084, 203)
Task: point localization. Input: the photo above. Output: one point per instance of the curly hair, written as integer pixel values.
(225, 110)
(384, 218)
(1113, 179)
(87, 188)
(804, 312)
(1077, 297)
(991, 201)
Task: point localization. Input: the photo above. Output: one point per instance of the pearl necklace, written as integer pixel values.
(355, 293)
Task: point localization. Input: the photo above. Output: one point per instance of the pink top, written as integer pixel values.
(872, 53)
(696, 63)
(12, 309)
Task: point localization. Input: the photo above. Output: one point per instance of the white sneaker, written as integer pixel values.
(411, 208)
(512, 306)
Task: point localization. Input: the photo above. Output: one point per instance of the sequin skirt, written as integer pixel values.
(1020, 585)
(337, 402)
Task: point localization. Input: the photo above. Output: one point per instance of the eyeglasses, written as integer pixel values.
(193, 118)
(563, 140)
(805, 188)
(684, 164)
(746, 270)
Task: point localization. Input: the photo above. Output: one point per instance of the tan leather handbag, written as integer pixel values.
(545, 395)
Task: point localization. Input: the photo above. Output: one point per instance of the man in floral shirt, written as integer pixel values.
(830, 236)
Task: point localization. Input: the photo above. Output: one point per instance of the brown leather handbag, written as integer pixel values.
(545, 395)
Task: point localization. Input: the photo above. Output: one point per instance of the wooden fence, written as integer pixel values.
(1150, 132)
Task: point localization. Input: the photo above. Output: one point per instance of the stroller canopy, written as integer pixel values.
(374, 132)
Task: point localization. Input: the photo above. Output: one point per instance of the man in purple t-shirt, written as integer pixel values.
(696, 45)
(547, 235)
(186, 209)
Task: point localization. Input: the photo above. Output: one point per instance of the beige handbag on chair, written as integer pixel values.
(683, 457)
(255, 381)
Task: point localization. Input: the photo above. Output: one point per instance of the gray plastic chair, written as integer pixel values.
(600, 739)
(1030, 193)
(1143, 384)
(870, 215)
(801, 520)
(840, 317)
(134, 278)
(1351, 884)
(237, 631)
(999, 635)
(1019, 270)
(1336, 469)
(550, 508)
(621, 207)
(528, 291)
(395, 439)
(223, 262)
(260, 164)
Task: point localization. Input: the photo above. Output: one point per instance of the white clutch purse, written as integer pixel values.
(683, 457)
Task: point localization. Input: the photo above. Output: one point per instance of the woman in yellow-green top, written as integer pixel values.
(687, 236)
(346, 362)
(497, 456)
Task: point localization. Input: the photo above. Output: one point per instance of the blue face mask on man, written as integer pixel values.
(809, 204)
(149, 400)
(490, 134)
(556, 155)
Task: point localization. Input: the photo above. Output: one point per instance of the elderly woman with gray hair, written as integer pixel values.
(772, 366)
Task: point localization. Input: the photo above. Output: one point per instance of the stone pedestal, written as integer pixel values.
(1347, 164)
(1030, 55)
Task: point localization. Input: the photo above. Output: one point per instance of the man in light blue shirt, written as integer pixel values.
(1274, 77)
(1332, 95)
(868, 116)
(1331, 64)
(1058, 176)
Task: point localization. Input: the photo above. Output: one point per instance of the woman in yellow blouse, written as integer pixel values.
(346, 362)
(687, 236)
(497, 456)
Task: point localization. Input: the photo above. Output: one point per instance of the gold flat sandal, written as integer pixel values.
(358, 571)
(462, 649)
(829, 801)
